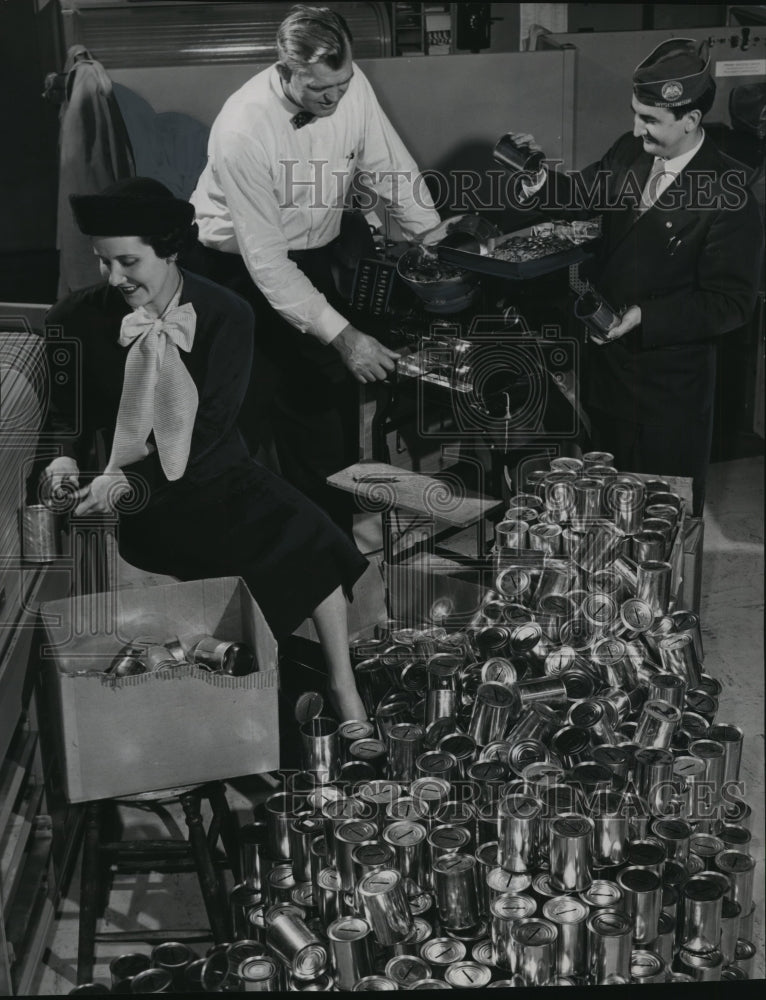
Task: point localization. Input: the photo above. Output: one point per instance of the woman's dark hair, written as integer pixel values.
(703, 103)
(176, 241)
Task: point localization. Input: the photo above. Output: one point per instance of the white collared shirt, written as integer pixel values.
(269, 188)
(672, 168)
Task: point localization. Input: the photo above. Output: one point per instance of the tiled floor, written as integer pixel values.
(732, 616)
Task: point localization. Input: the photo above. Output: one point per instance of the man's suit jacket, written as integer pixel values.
(692, 262)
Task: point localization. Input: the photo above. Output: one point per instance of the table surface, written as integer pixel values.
(380, 486)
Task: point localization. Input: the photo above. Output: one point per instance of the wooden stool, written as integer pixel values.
(103, 858)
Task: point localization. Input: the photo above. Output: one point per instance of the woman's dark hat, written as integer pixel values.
(674, 74)
(136, 206)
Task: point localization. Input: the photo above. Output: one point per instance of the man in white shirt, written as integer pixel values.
(680, 261)
(285, 153)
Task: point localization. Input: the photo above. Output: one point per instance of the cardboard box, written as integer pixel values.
(120, 736)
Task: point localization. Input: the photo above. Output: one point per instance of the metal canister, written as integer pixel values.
(712, 753)
(371, 751)
(689, 621)
(348, 835)
(436, 764)
(511, 534)
(571, 745)
(242, 899)
(537, 722)
(488, 776)
(152, 981)
(664, 944)
(675, 836)
(280, 811)
(280, 883)
(740, 869)
(667, 687)
(373, 984)
(656, 724)
(407, 970)
(702, 966)
(467, 975)
(303, 830)
(374, 679)
(745, 957)
(648, 853)
(442, 952)
(408, 841)
(653, 775)
(730, 928)
(602, 894)
(429, 794)
(124, 968)
(610, 828)
(647, 967)
(534, 950)
(328, 890)
(351, 947)
(653, 585)
(500, 883)
(351, 731)
(609, 946)
(642, 892)
(591, 715)
(702, 908)
(385, 906)
(569, 915)
(223, 656)
(570, 852)
(505, 910)
(405, 744)
(677, 656)
(519, 832)
(730, 738)
(616, 758)
(648, 545)
(624, 500)
(701, 703)
(495, 708)
(612, 659)
(455, 880)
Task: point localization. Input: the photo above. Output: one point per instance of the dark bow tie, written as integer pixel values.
(302, 118)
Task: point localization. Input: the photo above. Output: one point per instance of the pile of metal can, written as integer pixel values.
(542, 793)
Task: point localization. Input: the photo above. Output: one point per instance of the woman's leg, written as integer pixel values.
(330, 621)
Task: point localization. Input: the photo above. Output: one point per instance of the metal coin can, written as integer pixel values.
(406, 970)
(602, 894)
(442, 952)
(373, 984)
(647, 967)
(123, 969)
(740, 868)
(664, 945)
(290, 939)
(455, 882)
(467, 975)
(351, 947)
(505, 910)
(570, 852)
(260, 974)
(534, 950)
(642, 891)
(385, 906)
(656, 724)
(702, 909)
(152, 981)
(609, 946)
(173, 956)
(702, 966)
(730, 928)
(519, 832)
(731, 739)
(569, 915)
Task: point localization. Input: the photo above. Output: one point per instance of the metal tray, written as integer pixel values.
(516, 270)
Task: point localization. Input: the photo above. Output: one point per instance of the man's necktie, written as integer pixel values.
(302, 118)
(651, 190)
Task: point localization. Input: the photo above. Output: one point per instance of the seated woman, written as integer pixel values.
(165, 358)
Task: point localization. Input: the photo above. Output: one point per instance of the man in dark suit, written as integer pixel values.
(680, 262)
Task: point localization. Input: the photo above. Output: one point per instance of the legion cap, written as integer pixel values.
(674, 74)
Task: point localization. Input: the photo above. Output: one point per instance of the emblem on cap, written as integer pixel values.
(672, 91)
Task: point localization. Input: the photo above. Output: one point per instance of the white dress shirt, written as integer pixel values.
(269, 188)
(668, 171)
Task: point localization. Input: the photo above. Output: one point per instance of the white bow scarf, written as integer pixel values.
(158, 393)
